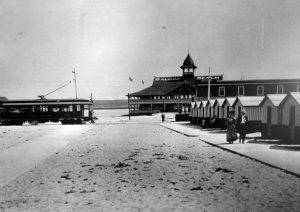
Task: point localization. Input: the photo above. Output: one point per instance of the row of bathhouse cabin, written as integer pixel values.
(274, 115)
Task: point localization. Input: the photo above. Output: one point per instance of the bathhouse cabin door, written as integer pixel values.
(292, 122)
(269, 118)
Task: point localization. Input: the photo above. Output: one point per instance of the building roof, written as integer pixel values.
(248, 101)
(160, 88)
(230, 100)
(275, 99)
(188, 63)
(256, 81)
(193, 104)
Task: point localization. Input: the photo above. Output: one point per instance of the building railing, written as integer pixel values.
(159, 101)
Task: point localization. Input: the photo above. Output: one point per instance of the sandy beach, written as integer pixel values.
(137, 165)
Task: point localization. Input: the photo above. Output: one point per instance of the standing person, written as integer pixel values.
(242, 121)
(231, 135)
(162, 117)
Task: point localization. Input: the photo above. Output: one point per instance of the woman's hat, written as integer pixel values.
(231, 112)
(243, 111)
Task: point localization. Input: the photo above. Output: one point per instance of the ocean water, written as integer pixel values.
(115, 113)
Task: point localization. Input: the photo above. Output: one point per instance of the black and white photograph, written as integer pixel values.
(149, 105)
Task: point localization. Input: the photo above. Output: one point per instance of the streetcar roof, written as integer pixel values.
(46, 102)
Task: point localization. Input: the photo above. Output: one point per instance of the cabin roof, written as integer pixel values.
(230, 100)
(198, 103)
(275, 99)
(220, 101)
(249, 100)
(193, 104)
(204, 102)
(294, 95)
(212, 101)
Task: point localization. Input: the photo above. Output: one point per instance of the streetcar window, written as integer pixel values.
(44, 108)
(78, 108)
(71, 108)
(55, 109)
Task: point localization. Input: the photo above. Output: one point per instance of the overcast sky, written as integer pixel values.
(106, 41)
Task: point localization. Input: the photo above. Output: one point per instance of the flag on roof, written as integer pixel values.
(130, 79)
(143, 82)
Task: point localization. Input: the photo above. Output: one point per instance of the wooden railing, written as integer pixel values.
(159, 101)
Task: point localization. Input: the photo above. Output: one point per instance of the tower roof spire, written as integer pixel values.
(188, 63)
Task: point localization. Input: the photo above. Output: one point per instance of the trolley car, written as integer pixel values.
(66, 111)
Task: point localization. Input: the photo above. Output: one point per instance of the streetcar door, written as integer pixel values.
(86, 110)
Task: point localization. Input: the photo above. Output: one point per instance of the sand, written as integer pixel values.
(138, 165)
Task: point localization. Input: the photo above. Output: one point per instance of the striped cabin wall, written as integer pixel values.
(254, 113)
(225, 110)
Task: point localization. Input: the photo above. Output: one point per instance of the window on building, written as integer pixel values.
(298, 88)
(280, 89)
(221, 91)
(241, 91)
(260, 90)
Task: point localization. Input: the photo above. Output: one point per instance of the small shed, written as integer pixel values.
(202, 115)
(251, 104)
(197, 106)
(271, 115)
(227, 106)
(203, 109)
(193, 112)
(218, 107)
(290, 106)
(209, 105)
(218, 112)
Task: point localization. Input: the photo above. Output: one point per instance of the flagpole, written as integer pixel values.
(208, 92)
(128, 108)
(130, 80)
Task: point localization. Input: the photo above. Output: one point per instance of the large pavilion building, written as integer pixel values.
(177, 92)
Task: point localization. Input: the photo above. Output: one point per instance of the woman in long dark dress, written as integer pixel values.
(231, 135)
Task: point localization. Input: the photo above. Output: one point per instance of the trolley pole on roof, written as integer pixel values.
(75, 82)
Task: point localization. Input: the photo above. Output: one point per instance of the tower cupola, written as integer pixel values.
(188, 67)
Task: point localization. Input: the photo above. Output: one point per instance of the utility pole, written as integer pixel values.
(208, 93)
(75, 82)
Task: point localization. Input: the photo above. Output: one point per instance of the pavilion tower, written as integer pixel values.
(188, 67)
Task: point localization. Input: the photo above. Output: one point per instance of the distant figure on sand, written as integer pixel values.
(162, 117)
(242, 127)
(231, 135)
